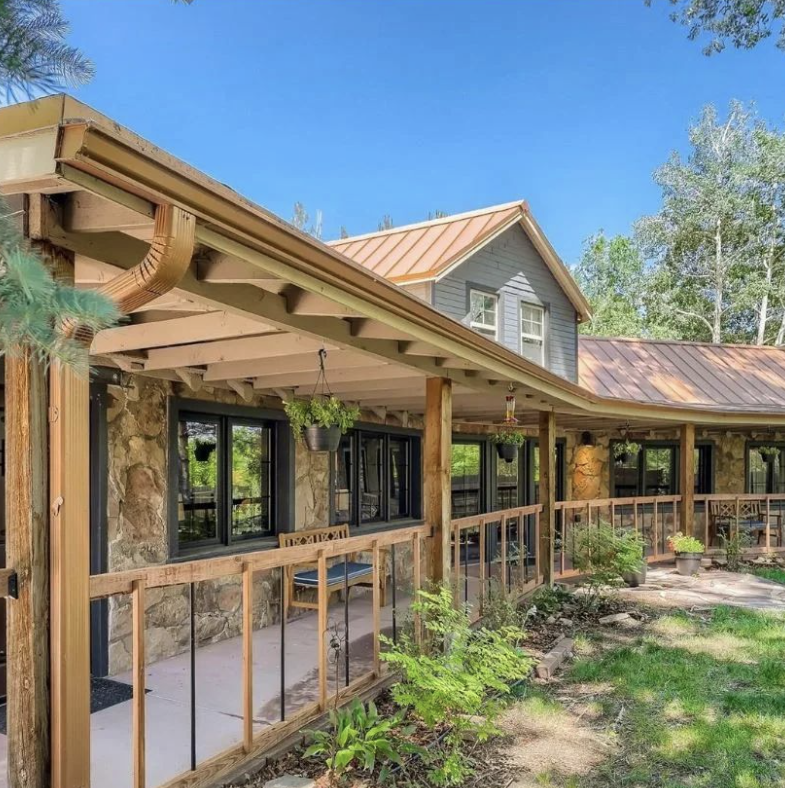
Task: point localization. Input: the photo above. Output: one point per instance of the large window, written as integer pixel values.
(653, 470)
(765, 469)
(484, 313)
(223, 477)
(533, 332)
(467, 469)
(375, 478)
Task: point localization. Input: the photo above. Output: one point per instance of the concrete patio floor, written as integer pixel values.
(219, 694)
(709, 588)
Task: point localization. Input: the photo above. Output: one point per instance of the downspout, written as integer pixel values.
(162, 268)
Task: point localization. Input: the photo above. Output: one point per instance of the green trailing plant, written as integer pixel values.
(320, 411)
(734, 545)
(33, 306)
(604, 555)
(511, 438)
(454, 677)
(768, 453)
(679, 543)
(359, 739)
(625, 448)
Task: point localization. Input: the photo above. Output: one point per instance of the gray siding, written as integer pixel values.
(511, 266)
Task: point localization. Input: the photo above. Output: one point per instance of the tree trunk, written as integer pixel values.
(719, 285)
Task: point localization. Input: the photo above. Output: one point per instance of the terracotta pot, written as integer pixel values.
(322, 438)
(507, 451)
(688, 564)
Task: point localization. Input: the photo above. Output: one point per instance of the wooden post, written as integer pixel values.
(376, 603)
(416, 583)
(27, 552)
(547, 494)
(247, 658)
(322, 627)
(687, 479)
(139, 724)
(70, 576)
(437, 447)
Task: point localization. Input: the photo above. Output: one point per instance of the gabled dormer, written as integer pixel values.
(492, 269)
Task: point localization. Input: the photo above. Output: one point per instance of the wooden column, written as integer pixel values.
(547, 494)
(27, 551)
(687, 479)
(437, 447)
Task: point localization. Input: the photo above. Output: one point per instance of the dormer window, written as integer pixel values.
(484, 313)
(533, 332)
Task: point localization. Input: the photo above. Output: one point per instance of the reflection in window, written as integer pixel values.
(399, 478)
(250, 480)
(483, 313)
(626, 471)
(197, 500)
(371, 477)
(342, 481)
(766, 471)
(507, 483)
(532, 332)
(659, 465)
(466, 479)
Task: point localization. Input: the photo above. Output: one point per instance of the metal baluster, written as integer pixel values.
(394, 595)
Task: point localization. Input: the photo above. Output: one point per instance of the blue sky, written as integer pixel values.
(368, 107)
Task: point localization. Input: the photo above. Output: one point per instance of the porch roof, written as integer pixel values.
(259, 297)
(727, 377)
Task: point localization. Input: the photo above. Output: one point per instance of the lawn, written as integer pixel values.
(775, 573)
(684, 702)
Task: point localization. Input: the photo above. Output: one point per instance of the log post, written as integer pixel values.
(687, 479)
(27, 551)
(437, 447)
(547, 494)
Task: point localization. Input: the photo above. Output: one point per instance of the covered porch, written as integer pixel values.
(143, 558)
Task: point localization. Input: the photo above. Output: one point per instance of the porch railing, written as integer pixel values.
(764, 523)
(137, 582)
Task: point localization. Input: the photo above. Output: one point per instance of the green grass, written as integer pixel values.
(692, 703)
(775, 573)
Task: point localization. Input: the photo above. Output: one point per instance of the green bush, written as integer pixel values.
(733, 546)
(321, 411)
(547, 601)
(679, 543)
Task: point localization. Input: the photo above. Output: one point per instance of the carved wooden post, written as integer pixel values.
(437, 446)
(547, 494)
(687, 478)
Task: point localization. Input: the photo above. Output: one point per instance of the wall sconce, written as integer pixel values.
(587, 439)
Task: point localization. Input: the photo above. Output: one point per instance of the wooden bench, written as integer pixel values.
(339, 576)
(752, 520)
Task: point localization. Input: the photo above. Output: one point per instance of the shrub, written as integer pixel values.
(679, 543)
(733, 546)
(500, 610)
(321, 411)
(358, 739)
(548, 601)
(604, 555)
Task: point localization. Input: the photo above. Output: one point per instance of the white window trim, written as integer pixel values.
(534, 338)
(483, 327)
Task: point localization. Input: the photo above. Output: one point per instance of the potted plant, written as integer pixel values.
(768, 453)
(320, 421)
(630, 547)
(203, 449)
(623, 450)
(689, 552)
(507, 444)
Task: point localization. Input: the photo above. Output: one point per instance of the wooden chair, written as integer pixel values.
(306, 575)
(752, 520)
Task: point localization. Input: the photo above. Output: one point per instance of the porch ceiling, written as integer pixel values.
(260, 298)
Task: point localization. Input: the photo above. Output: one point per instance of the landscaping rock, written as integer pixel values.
(289, 781)
(565, 622)
(551, 661)
(615, 618)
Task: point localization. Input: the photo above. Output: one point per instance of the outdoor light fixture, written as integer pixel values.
(587, 439)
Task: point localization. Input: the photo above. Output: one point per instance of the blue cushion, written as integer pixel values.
(335, 574)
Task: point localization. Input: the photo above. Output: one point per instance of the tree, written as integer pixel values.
(743, 23)
(611, 275)
(301, 220)
(386, 223)
(34, 57)
(704, 235)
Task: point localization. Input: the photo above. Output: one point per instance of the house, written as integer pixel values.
(173, 475)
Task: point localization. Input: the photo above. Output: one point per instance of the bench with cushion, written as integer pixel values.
(306, 576)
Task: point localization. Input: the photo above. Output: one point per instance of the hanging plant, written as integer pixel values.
(768, 453)
(507, 444)
(623, 450)
(203, 449)
(322, 419)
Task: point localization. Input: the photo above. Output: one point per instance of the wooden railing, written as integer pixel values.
(766, 527)
(137, 582)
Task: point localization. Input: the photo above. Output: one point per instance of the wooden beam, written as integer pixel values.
(687, 478)
(220, 268)
(547, 450)
(180, 331)
(27, 551)
(343, 365)
(420, 349)
(373, 329)
(242, 389)
(192, 378)
(85, 212)
(371, 384)
(437, 448)
(70, 576)
(301, 302)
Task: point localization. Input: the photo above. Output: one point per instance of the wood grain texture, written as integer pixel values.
(687, 478)
(377, 608)
(247, 658)
(547, 448)
(27, 552)
(138, 715)
(322, 628)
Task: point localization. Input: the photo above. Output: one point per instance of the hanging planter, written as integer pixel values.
(203, 450)
(507, 445)
(768, 453)
(321, 420)
(624, 450)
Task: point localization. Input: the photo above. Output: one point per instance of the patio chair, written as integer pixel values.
(305, 576)
(752, 521)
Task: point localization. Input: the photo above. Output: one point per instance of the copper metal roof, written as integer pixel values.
(727, 377)
(429, 250)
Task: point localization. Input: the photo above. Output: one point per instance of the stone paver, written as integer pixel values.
(664, 587)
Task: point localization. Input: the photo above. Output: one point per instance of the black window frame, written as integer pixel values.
(754, 445)
(704, 478)
(414, 482)
(281, 473)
